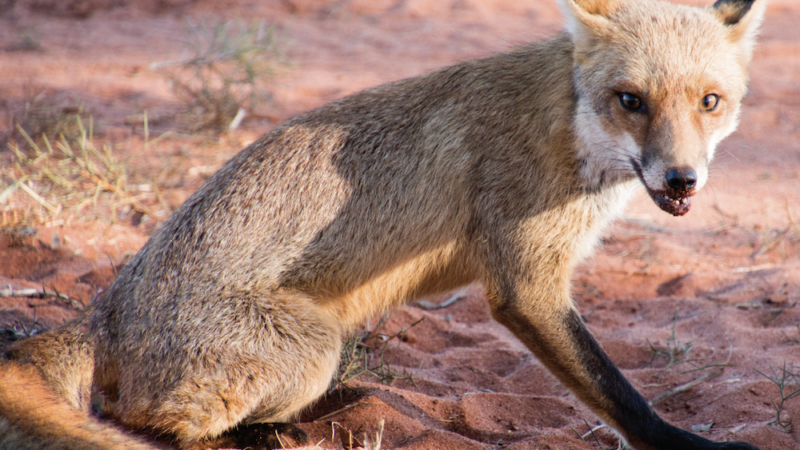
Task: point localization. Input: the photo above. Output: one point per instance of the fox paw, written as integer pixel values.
(262, 436)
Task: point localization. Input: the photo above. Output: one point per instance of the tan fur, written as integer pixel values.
(33, 418)
(503, 170)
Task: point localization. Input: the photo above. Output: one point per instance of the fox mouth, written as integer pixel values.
(672, 201)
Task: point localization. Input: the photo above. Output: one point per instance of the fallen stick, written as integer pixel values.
(39, 199)
(685, 387)
(36, 293)
(425, 304)
(329, 415)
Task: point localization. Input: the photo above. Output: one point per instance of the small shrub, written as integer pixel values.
(38, 117)
(223, 77)
(675, 352)
(788, 383)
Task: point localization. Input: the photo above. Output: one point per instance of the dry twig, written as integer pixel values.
(685, 387)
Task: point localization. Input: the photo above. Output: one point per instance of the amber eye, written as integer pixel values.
(709, 102)
(630, 102)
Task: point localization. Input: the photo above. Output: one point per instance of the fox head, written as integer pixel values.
(658, 86)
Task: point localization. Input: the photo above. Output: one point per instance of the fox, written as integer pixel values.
(502, 171)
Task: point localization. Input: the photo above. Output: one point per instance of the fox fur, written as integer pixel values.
(503, 170)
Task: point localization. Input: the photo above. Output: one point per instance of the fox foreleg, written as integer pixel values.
(552, 329)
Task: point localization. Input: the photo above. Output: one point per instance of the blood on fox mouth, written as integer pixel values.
(672, 202)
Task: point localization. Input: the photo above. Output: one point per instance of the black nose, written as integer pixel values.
(681, 178)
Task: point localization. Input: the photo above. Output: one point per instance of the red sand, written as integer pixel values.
(726, 276)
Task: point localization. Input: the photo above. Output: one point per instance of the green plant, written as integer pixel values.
(223, 77)
(363, 355)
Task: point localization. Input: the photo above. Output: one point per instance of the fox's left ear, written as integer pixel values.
(742, 17)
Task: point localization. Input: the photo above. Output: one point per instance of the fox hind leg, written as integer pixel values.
(260, 360)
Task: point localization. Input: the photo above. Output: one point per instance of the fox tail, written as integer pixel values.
(45, 396)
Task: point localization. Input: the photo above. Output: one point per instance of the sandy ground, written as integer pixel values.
(719, 287)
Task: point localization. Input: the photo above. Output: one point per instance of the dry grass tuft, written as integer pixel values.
(65, 178)
(363, 356)
(375, 444)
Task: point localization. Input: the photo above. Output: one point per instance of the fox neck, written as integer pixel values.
(603, 159)
(603, 175)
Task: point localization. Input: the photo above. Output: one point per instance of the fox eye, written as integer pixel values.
(709, 102)
(630, 102)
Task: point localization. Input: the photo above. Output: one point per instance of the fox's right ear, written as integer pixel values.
(588, 20)
(742, 17)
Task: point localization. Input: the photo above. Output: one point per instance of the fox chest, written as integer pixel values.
(602, 209)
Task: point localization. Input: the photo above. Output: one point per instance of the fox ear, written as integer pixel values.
(731, 12)
(742, 17)
(588, 19)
